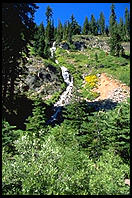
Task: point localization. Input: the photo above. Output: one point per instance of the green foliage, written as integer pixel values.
(36, 122)
(53, 99)
(75, 27)
(85, 29)
(89, 152)
(115, 44)
(112, 21)
(102, 23)
(39, 41)
(59, 32)
(49, 170)
(96, 57)
(88, 94)
(71, 158)
(109, 175)
(9, 135)
(115, 36)
(127, 25)
(93, 25)
(15, 17)
(75, 114)
(105, 129)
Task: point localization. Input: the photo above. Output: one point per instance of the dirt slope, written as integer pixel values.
(110, 88)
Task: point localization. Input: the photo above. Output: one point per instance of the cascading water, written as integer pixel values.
(65, 97)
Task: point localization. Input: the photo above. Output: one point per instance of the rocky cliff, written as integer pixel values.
(42, 77)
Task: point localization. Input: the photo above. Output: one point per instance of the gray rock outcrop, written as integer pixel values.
(64, 45)
(41, 78)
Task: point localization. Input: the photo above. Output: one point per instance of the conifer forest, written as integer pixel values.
(65, 103)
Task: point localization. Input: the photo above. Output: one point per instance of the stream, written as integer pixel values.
(65, 97)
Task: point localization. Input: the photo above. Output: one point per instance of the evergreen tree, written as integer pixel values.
(102, 23)
(112, 21)
(115, 44)
(121, 29)
(49, 14)
(69, 33)
(65, 32)
(107, 30)
(59, 32)
(127, 25)
(55, 33)
(75, 27)
(93, 25)
(49, 34)
(17, 32)
(115, 38)
(47, 40)
(39, 40)
(52, 30)
(85, 29)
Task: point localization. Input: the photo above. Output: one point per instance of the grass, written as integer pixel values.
(93, 61)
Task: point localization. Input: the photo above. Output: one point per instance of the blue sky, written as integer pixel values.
(63, 11)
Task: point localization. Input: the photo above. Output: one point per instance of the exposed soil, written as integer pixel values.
(107, 87)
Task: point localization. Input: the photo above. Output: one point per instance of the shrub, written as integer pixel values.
(37, 120)
(9, 135)
(108, 177)
(46, 171)
(105, 129)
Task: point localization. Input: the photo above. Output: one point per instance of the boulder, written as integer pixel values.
(64, 45)
(79, 45)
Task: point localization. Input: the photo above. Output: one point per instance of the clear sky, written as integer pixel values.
(63, 11)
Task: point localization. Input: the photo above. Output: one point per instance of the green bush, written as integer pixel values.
(37, 121)
(49, 170)
(9, 135)
(54, 98)
(109, 174)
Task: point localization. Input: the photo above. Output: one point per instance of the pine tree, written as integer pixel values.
(113, 23)
(39, 40)
(107, 30)
(121, 29)
(49, 34)
(52, 30)
(17, 32)
(47, 40)
(69, 32)
(65, 32)
(59, 32)
(85, 29)
(75, 28)
(115, 38)
(102, 23)
(127, 25)
(93, 25)
(115, 44)
(49, 14)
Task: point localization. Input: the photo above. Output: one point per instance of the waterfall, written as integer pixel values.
(65, 97)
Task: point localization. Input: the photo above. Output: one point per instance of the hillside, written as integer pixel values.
(72, 119)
